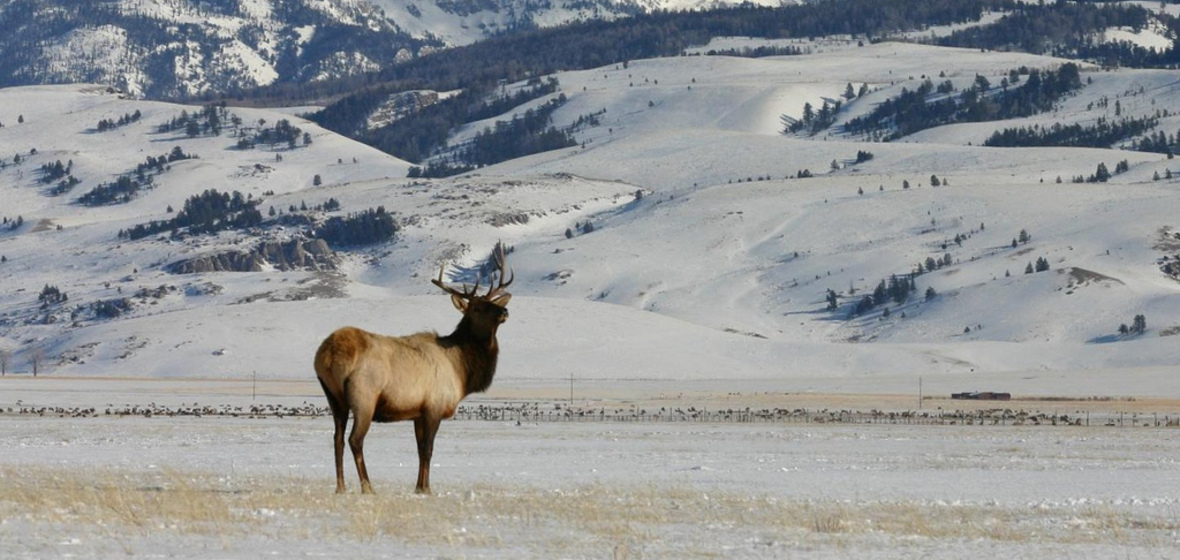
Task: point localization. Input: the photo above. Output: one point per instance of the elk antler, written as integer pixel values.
(465, 294)
(501, 262)
(497, 289)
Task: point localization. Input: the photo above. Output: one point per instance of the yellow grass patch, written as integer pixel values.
(602, 521)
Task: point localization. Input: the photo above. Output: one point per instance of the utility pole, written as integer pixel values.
(571, 388)
(919, 392)
(254, 387)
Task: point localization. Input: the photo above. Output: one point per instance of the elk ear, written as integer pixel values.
(459, 303)
(502, 301)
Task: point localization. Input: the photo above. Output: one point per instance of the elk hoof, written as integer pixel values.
(425, 491)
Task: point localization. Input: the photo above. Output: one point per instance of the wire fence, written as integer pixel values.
(547, 411)
(543, 412)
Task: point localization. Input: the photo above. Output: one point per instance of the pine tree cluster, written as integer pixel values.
(51, 295)
(283, 132)
(761, 52)
(125, 188)
(1138, 326)
(107, 308)
(51, 172)
(111, 124)
(362, 228)
(812, 122)
(208, 212)
(1041, 265)
(1101, 134)
(1066, 29)
(896, 290)
(208, 121)
(920, 109)
(424, 132)
(530, 133)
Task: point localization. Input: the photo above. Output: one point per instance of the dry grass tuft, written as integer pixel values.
(598, 521)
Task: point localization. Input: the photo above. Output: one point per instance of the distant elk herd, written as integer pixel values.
(420, 377)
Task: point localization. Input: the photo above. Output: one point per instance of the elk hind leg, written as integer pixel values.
(425, 429)
(340, 418)
(362, 417)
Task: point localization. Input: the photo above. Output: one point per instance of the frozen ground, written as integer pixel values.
(239, 488)
(187, 487)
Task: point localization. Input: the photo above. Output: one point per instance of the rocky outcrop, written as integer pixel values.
(294, 254)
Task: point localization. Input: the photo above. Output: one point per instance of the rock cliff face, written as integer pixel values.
(294, 254)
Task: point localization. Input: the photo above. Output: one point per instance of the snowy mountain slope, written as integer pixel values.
(185, 48)
(705, 261)
(464, 22)
(688, 151)
(663, 111)
(170, 48)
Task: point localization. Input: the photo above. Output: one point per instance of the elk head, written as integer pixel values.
(482, 314)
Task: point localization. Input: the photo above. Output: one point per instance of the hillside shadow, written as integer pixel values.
(1106, 339)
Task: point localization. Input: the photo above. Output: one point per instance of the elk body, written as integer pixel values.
(420, 377)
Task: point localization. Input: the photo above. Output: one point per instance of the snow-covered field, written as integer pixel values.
(246, 488)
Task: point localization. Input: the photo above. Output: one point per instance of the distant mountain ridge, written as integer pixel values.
(174, 48)
(189, 48)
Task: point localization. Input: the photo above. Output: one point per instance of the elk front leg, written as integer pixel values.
(425, 429)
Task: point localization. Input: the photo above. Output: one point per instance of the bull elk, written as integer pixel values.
(420, 377)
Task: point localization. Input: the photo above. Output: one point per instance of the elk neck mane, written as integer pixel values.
(475, 356)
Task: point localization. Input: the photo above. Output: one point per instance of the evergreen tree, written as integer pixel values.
(880, 294)
(1101, 175)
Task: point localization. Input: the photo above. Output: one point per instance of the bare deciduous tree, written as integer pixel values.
(36, 358)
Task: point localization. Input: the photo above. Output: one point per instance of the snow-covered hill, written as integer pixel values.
(705, 259)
